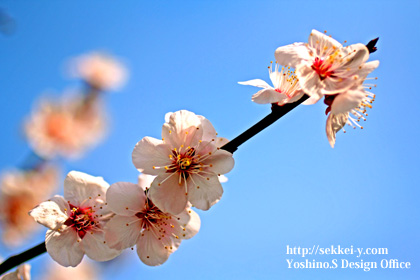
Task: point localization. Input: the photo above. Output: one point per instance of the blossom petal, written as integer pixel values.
(190, 223)
(313, 99)
(223, 178)
(83, 188)
(51, 213)
(292, 55)
(334, 85)
(22, 273)
(96, 248)
(184, 128)
(63, 247)
(125, 198)
(209, 132)
(356, 55)
(168, 195)
(347, 101)
(334, 124)
(155, 252)
(267, 96)
(204, 192)
(121, 232)
(367, 68)
(151, 152)
(308, 79)
(145, 181)
(256, 83)
(319, 41)
(221, 141)
(295, 97)
(221, 162)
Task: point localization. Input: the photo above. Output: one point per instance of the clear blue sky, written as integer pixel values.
(288, 186)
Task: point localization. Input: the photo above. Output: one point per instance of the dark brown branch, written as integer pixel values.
(16, 260)
(276, 113)
(371, 45)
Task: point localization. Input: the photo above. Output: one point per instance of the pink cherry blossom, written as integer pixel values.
(65, 127)
(286, 87)
(350, 106)
(20, 190)
(75, 222)
(99, 70)
(86, 270)
(139, 222)
(187, 163)
(22, 273)
(323, 65)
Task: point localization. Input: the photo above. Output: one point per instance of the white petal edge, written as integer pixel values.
(51, 213)
(122, 232)
(125, 198)
(256, 83)
(95, 247)
(83, 188)
(63, 247)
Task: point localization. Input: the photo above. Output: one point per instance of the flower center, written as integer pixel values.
(57, 126)
(81, 220)
(151, 216)
(183, 162)
(322, 68)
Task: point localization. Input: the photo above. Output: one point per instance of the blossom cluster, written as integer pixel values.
(63, 127)
(180, 171)
(184, 168)
(323, 68)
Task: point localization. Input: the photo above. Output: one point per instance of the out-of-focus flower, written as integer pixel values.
(187, 162)
(139, 222)
(101, 71)
(75, 222)
(286, 87)
(350, 106)
(323, 65)
(66, 127)
(20, 192)
(86, 270)
(22, 273)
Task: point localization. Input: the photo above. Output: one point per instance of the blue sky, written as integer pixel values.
(288, 187)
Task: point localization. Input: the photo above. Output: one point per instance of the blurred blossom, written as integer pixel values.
(65, 127)
(101, 71)
(76, 221)
(20, 192)
(22, 273)
(86, 270)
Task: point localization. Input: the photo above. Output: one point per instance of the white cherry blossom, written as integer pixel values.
(286, 87)
(323, 65)
(350, 106)
(139, 222)
(75, 222)
(187, 163)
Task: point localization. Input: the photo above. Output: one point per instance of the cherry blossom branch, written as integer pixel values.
(16, 260)
(276, 113)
